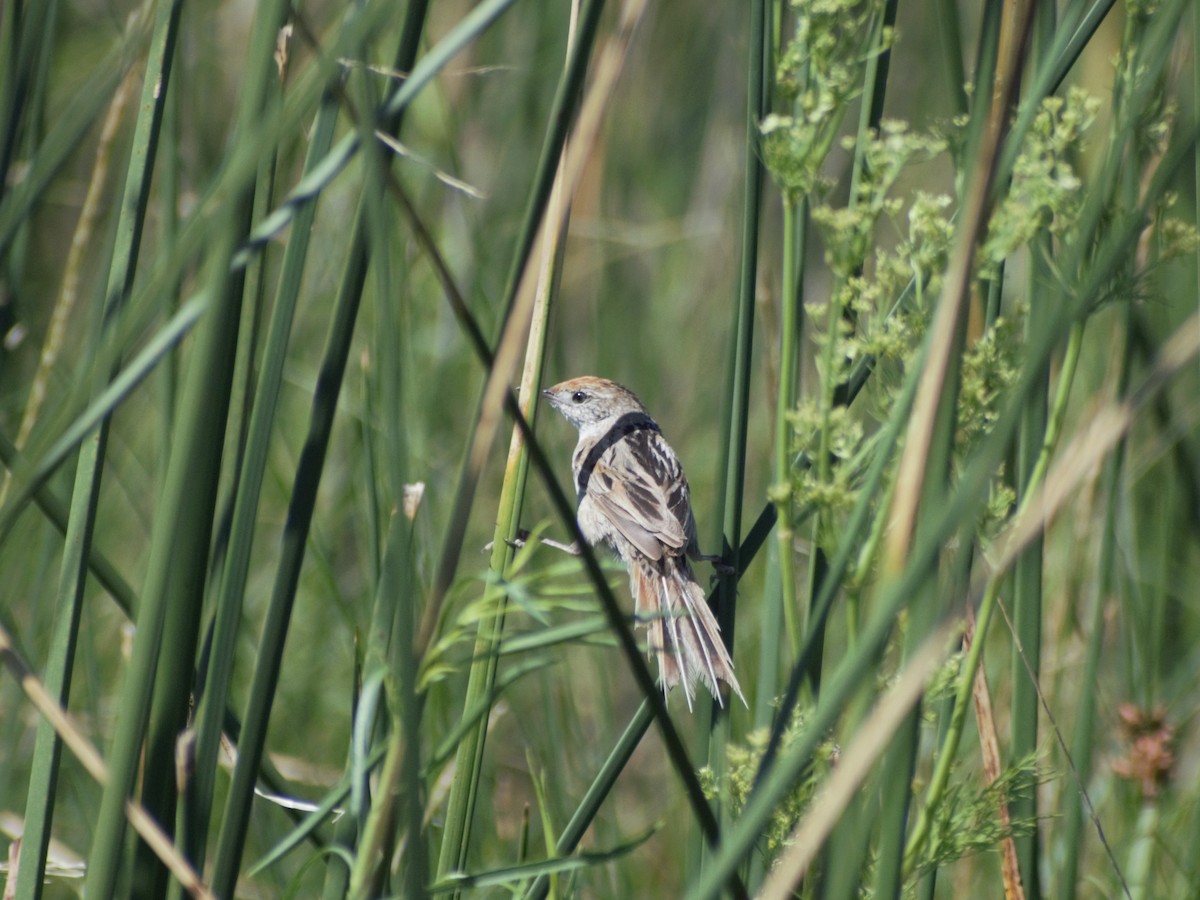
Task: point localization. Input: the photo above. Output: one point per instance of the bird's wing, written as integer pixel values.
(638, 485)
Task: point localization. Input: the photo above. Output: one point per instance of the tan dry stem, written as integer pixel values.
(989, 750)
(944, 339)
(71, 735)
(871, 741)
(81, 239)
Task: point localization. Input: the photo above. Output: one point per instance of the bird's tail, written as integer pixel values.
(684, 635)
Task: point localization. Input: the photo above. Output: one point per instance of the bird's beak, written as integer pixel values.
(546, 394)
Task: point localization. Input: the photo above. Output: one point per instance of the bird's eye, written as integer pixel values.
(579, 396)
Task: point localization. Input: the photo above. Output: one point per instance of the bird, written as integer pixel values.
(633, 496)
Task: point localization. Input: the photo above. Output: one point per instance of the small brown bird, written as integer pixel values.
(633, 497)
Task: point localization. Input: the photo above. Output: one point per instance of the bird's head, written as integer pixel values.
(589, 402)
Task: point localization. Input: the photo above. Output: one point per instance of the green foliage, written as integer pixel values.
(742, 765)
(1175, 238)
(874, 313)
(968, 822)
(844, 434)
(819, 72)
(1046, 194)
(541, 597)
(849, 232)
(990, 369)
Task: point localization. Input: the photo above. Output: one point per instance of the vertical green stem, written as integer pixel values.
(213, 700)
(791, 294)
(175, 572)
(743, 323)
(299, 519)
(209, 397)
(1027, 619)
(733, 448)
(780, 600)
(1140, 863)
(1084, 740)
(950, 33)
(469, 757)
(77, 549)
(966, 677)
(899, 763)
(1027, 574)
(398, 797)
